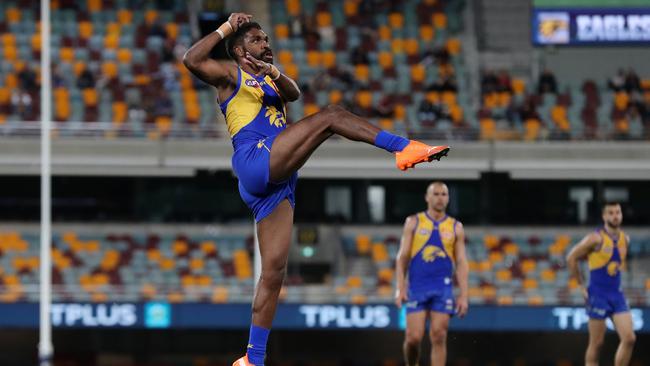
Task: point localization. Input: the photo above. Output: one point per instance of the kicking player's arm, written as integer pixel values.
(220, 74)
(287, 87)
(403, 258)
(579, 251)
(462, 271)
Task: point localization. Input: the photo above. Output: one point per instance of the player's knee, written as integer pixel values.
(274, 276)
(413, 339)
(438, 336)
(628, 339)
(333, 109)
(596, 344)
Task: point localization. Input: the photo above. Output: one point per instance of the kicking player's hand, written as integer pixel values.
(237, 19)
(400, 297)
(260, 67)
(461, 306)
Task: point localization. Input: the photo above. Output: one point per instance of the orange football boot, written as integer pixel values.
(416, 152)
(242, 362)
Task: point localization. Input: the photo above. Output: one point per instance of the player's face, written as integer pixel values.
(613, 215)
(256, 42)
(437, 197)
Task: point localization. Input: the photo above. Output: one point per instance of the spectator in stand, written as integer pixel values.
(21, 103)
(57, 79)
(27, 79)
(386, 106)
(359, 56)
(632, 81)
(617, 82)
(547, 83)
(443, 84)
(157, 30)
(503, 82)
(489, 82)
(86, 80)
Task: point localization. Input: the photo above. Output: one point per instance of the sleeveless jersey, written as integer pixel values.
(606, 262)
(432, 254)
(255, 110)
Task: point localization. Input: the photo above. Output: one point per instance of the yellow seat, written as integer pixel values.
(453, 46)
(354, 281)
(90, 97)
(109, 69)
(386, 275)
(282, 31)
(119, 112)
(13, 15)
(505, 300)
(396, 20)
(548, 275)
(530, 284)
(411, 47)
(323, 19)
(362, 72)
(449, 98)
(285, 57)
(310, 108)
(124, 16)
(456, 113)
(111, 40)
(124, 55)
(400, 112)
(418, 73)
(150, 16)
(385, 59)
(559, 117)
(66, 54)
(531, 127)
(335, 96)
(427, 33)
(518, 86)
(196, 264)
(314, 58)
(172, 30)
(621, 100)
(439, 20)
(363, 244)
(328, 59)
(94, 5)
(384, 33)
(36, 42)
(504, 275)
(293, 7)
(350, 8)
(219, 295)
(364, 98)
(292, 71)
(535, 300)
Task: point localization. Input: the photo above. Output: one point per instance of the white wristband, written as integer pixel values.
(220, 33)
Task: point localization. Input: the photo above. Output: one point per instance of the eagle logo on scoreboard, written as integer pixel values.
(552, 27)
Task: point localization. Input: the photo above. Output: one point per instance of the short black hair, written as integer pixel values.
(610, 203)
(236, 38)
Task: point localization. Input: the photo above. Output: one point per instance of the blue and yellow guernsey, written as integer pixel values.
(607, 261)
(255, 110)
(432, 255)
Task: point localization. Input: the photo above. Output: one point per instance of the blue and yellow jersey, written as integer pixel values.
(606, 262)
(255, 110)
(432, 254)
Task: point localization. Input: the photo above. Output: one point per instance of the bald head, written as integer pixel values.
(437, 196)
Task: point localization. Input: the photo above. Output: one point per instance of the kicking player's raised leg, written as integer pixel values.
(293, 146)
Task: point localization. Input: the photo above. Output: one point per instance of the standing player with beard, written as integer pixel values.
(268, 153)
(432, 250)
(605, 250)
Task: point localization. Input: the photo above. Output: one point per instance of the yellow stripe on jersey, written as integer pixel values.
(423, 231)
(601, 257)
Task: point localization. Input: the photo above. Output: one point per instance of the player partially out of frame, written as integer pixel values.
(605, 250)
(432, 250)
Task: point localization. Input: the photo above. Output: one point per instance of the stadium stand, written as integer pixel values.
(180, 268)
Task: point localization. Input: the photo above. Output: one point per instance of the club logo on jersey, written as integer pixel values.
(424, 232)
(431, 252)
(607, 249)
(252, 83)
(276, 117)
(612, 268)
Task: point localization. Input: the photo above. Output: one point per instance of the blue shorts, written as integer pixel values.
(601, 304)
(440, 301)
(251, 165)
